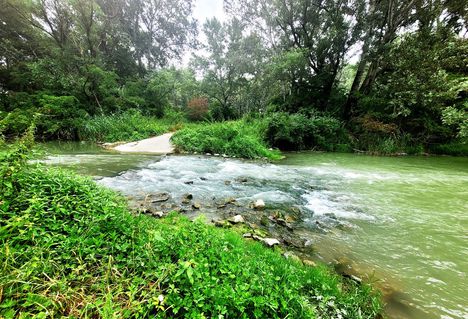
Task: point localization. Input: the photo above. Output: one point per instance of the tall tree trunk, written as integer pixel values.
(370, 77)
(352, 96)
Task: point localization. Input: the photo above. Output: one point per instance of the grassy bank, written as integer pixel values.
(71, 249)
(128, 126)
(234, 138)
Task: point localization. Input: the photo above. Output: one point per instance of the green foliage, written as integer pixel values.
(299, 132)
(230, 138)
(17, 122)
(55, 117)
(60, 116)
(458, 118)
(128, 126)
(454, 148)
(71, 249)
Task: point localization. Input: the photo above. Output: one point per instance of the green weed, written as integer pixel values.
(234, 138)
(127, 126)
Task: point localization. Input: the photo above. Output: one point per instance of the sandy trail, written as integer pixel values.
(156, 145)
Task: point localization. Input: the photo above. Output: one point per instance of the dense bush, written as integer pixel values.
(71, 249)
(454, 148)
(197, 108)
(55, 117)
(128, 126)
(299, 132)
(230, 138)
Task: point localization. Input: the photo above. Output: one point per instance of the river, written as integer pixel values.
(405, 218)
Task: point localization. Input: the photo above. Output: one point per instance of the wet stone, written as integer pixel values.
(238, 219)
(158, 214)
(159, 197)
(259, 204)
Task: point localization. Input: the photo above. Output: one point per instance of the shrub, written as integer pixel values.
(128, 126)
(60, 117)
(17, 122)
(299, 132)
(230, 138)
(55, 117)
(454, 148)
(197, 108)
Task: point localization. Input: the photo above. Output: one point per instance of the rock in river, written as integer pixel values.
(238, 219)
(259, 204)
(158, 197)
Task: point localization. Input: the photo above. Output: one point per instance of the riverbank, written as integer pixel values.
(71, 248)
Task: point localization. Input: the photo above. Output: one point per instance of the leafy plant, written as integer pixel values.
(230, 138)
(71, 249)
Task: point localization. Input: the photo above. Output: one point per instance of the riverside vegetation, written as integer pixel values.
(70, 248)
(104, 71)
(99, 70)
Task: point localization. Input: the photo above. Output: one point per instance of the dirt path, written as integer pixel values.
(156, 145)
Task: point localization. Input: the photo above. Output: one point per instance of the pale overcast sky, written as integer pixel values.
(203, 10)
(207, 9)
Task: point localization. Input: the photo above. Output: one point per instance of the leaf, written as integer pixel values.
(190, 275)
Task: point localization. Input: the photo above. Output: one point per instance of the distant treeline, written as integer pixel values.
(64, 61)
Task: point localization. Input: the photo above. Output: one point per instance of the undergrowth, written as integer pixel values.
(71, 249)
(234, 138)
(127, 126)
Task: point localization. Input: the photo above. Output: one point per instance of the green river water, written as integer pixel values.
(406, 217)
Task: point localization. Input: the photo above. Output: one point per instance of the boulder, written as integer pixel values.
(259, 204)
(238, 219)
(270, 242)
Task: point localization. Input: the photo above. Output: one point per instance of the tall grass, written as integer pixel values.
(71, 249)
(234, 138)
(128, 126)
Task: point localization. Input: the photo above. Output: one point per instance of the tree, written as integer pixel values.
(231, 59)
(323, 30)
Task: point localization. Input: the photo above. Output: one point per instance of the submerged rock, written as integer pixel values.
(196, 205)
(186, 198)
(159, 197)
